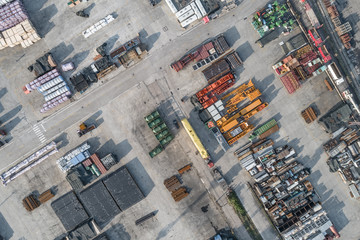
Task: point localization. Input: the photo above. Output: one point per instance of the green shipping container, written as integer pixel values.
(96, 170)
(160, 128)
(155, 123)
(263, 128)
(151, 117)
(162, 134)
(156, 151)
(166, 140)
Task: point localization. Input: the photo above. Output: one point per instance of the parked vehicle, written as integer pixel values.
(85, 129)
(176, 124)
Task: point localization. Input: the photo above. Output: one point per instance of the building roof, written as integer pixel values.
(84, 232)
(123, 188)
(99, 203)
(336, 118)
(70, 211)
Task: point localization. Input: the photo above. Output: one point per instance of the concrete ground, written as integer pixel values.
(119, 104)
(130, 139)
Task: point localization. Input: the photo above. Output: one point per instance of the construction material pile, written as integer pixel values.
(28, 163)
(88, 170)
(173, 185)
(204, 54)
(309, 115)
(301, 64)
(98, 25)
(31, 202)
(74, 157)
(342, 29)
(160, 130)
(53, 87)
(273, 16)
(282, 187)
(265, 130)
(344, 158)
(231, 119)
(209, 95)
(15, 26)
(49, 83)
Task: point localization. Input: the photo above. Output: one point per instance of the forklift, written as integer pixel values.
(83, 129)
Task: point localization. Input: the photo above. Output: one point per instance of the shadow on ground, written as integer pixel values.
(140, 176)
(118, 231)
(5, 230)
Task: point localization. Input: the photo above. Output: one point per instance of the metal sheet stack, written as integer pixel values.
(53, 87)
(74, 157)
(15, 26)
(97, 26)
(28, 163)
(38, 82)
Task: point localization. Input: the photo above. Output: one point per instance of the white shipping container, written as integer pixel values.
(171, 6)
(182, 11)
(186, 15)
(196, 10)
(188, 21)
(201, 7)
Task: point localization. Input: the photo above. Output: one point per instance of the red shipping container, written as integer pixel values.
(87, 163)
(95, 159)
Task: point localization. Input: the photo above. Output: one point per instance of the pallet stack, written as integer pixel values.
(46, 196)
(15, 27)
(173, 185)
(30, 202)
(309, 115)
(179, 194)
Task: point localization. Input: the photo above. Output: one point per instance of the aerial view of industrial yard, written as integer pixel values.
(179, 119)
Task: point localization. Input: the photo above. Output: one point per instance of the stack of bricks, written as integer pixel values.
(15, 26)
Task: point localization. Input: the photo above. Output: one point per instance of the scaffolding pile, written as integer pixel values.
(273, 16)
(282, 187)
(301, 64)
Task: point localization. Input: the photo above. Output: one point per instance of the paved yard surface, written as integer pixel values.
(118, 105)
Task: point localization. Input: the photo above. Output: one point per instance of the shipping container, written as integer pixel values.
(95, 159)
(269, 132)
(262, 129)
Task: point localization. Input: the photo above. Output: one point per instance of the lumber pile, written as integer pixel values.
(179, 194)
(309, 115)
(46, 196)
(174, 186)
(30, 202)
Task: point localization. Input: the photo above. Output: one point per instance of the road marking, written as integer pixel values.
(39, 133)
(202, 180)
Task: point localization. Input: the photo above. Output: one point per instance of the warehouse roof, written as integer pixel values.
(123, 188)
(336, 118)
(99, 203)
(84, 232)
(69, 210)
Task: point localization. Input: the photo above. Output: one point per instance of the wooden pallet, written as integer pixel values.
(179, 194)
(309, 115)
(30, 203)
(46, 196)
(172, 183)
(105, 72)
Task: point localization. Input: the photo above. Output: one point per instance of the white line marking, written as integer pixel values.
(202, 180)
(43, 127)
